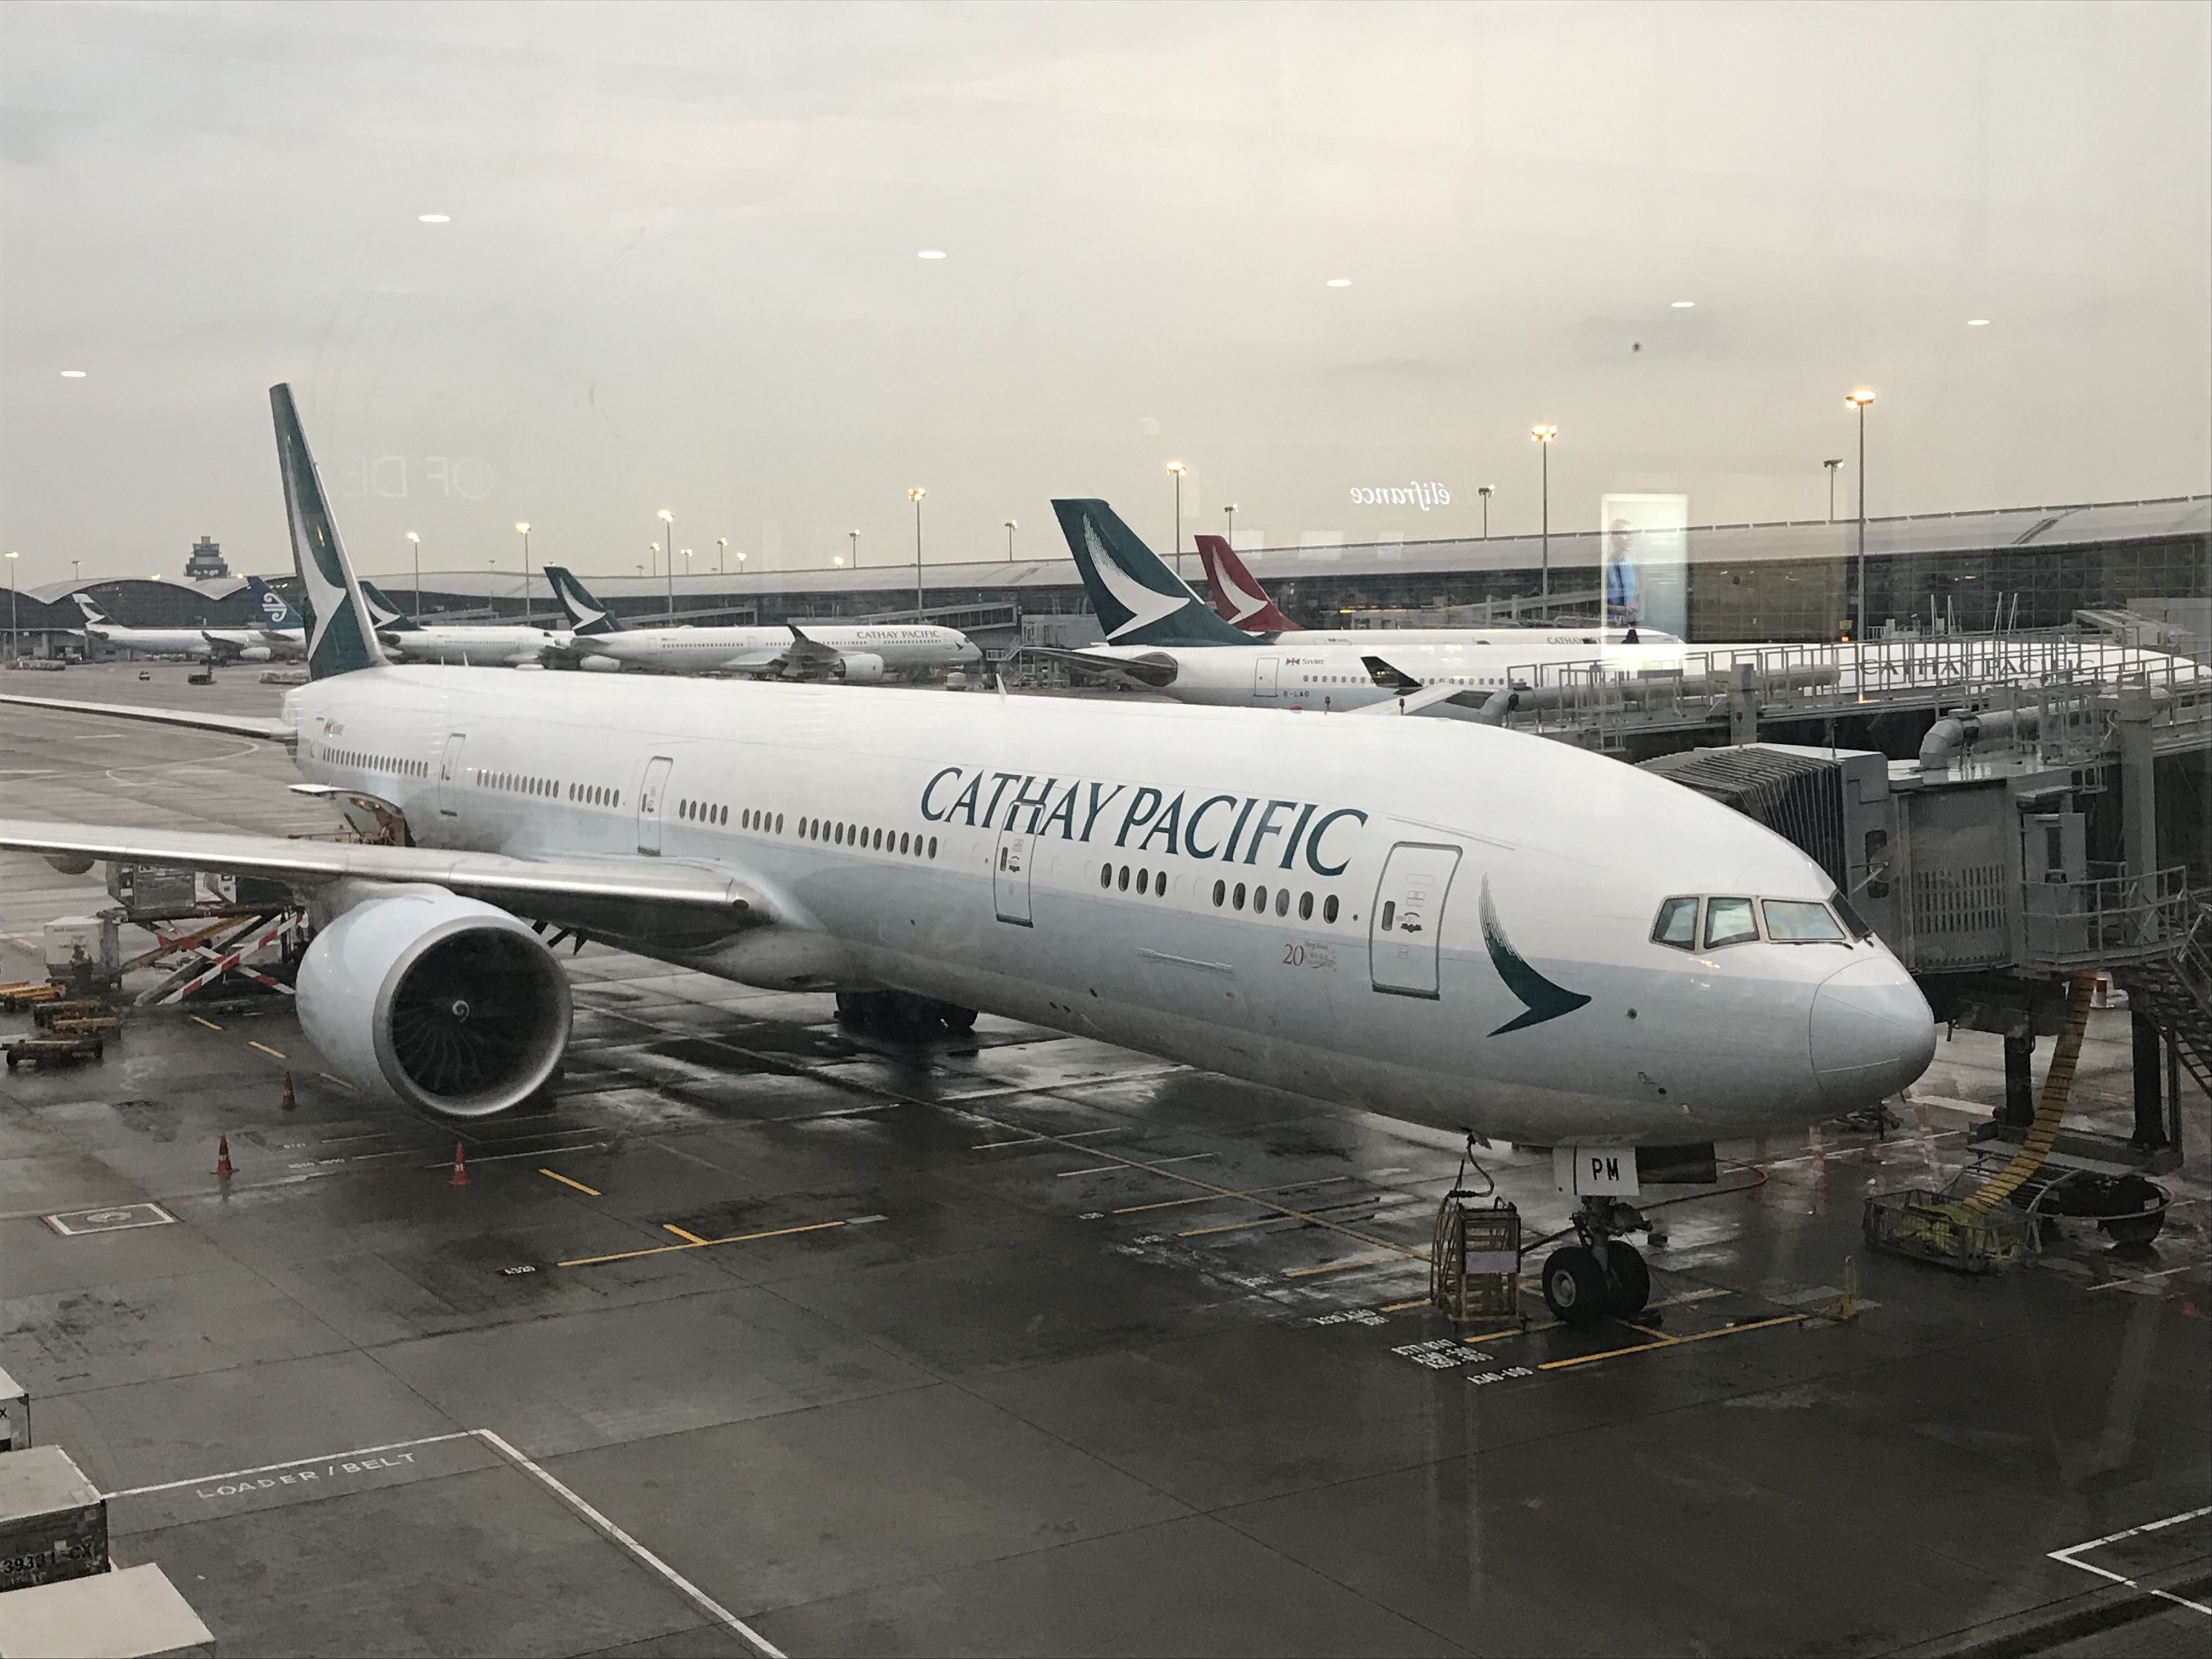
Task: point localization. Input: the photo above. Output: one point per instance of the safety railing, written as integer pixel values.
(2112, 920)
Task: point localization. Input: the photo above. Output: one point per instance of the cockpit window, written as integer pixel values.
(1853, 921)
(1678, 924)
(1800, 921)
(1728, 922)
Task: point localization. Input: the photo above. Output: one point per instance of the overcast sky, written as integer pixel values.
(682, 267)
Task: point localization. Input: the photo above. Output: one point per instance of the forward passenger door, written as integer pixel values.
(1407, 919)
(1010, 877)
(449, 776)
(649, 804)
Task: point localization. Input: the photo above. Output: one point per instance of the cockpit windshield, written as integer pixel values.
(1732, 920)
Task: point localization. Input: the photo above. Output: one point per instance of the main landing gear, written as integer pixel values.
(1602, 1276)
(901, 1013)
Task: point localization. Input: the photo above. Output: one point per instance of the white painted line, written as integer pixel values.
(699, 1597)
(2072, 1551)
(1135, 1165)
(1073, 1134)
(289, 1463)
(2144, 1278)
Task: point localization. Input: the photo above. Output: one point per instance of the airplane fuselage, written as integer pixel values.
(490, 647)
(1442, 923)
(905, 648)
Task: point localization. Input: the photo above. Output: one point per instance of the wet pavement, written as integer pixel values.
(766, 1332)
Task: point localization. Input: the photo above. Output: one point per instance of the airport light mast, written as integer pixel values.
(916, 495)
(415, 546)
(1834, 467)
(13, 647)
(1859, 400)
(1011, 527)
(1485, 491)
(522, 528)
(669, 518)
(854, 536)
(721, 554)
(1543, 435)
(1177, 469)
(1228, 534)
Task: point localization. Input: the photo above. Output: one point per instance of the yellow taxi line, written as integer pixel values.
(698, 1244)
(555, 1174)
(1667, 1342)
(210, 1024)
(266, 1050)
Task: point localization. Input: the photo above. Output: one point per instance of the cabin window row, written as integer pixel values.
(703, 811)
(387, 764)
(1261, 896)
(868, 838)
(1733, 920)
(519, 783)
(594, 794)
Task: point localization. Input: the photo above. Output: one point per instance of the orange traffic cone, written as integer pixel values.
(222, 1156)
(290, 1104)
(460, 1166)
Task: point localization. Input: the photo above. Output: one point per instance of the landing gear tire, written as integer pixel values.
(959, 1021)
(1632, 1279)
(1574, 1285)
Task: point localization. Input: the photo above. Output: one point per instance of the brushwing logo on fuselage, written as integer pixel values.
(1539, 998)
(1146, 605)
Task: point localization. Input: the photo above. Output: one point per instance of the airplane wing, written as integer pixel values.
(809, 658)
(1493, 705)
(243, 726)
(1153, 669)
(621, 895)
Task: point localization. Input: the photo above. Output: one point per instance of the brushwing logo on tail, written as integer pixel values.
(1245, 599)
(1146, 605)
(586, 614)
(335, 643)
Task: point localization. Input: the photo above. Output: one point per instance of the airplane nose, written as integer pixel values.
(1871, 1032)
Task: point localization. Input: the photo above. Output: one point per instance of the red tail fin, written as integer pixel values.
(1237, 598)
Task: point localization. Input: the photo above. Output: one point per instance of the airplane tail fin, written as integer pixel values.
(1139, 601)
(383, 616)
(93, 613)
(275, 613)
(586, 615)
(1238, 598)
(340, 638)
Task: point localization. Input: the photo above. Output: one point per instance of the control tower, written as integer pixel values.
(206, 564)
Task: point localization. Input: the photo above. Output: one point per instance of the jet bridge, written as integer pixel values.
(2013, 855)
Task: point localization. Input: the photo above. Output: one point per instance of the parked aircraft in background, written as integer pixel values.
(493, 645)
(861, 653)
(1469, 928)
(212, 644)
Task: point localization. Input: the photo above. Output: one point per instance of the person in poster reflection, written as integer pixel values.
(1621, 588)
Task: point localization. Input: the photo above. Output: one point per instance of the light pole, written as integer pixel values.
(415, 547)
(13, 648)
(1176, 468)
(854, 536)
(76, 572)
(1859, 400)
(721, 554)
(914, 495)
(1011, 527)
(1484, 490)
(1229, 515)
(1543, 435)
(1834, 467)
(669, 518)
(522, 529)
(687, 562)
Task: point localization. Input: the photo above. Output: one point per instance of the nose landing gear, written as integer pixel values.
(1602, 1276)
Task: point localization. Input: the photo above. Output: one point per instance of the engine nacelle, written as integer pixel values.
(436, 1001)
(253, 653)
(861, 668)
(599, 664)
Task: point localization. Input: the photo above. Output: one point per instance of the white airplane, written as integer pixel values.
(1161, 635)
(213, 645)
(496, 645)
(1240, 601)
(859, 654)
(1464, 928)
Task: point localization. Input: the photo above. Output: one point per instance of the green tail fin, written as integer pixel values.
(339, 637)
(586, 615)
(386, 616)
(1139, 601)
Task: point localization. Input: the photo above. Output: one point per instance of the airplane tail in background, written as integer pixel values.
(340, 636)
(587, 615)
(386, 616)
(93, 613)
(1238, 600)
(1139, 601)
(275, 613)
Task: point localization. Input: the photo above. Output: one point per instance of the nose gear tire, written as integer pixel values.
(1575, 1287)
(1631, 1281)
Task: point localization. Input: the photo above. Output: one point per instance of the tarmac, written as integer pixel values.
(764, 1334)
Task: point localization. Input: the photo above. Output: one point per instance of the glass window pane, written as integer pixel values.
(1851, 918)
(1678, 924)
(1800, 922)
(1728, 922)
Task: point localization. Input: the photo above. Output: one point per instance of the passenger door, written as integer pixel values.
(1010, 877)
(449, 776)
(1266, 671)
(1404, 926)
(649, 804)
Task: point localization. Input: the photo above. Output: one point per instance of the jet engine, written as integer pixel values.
(860, 668)
(253, 653)
(596, 663)
(435, 1001)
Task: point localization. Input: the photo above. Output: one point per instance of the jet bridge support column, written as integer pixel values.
(2150, 1069)
(2018, 1107)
